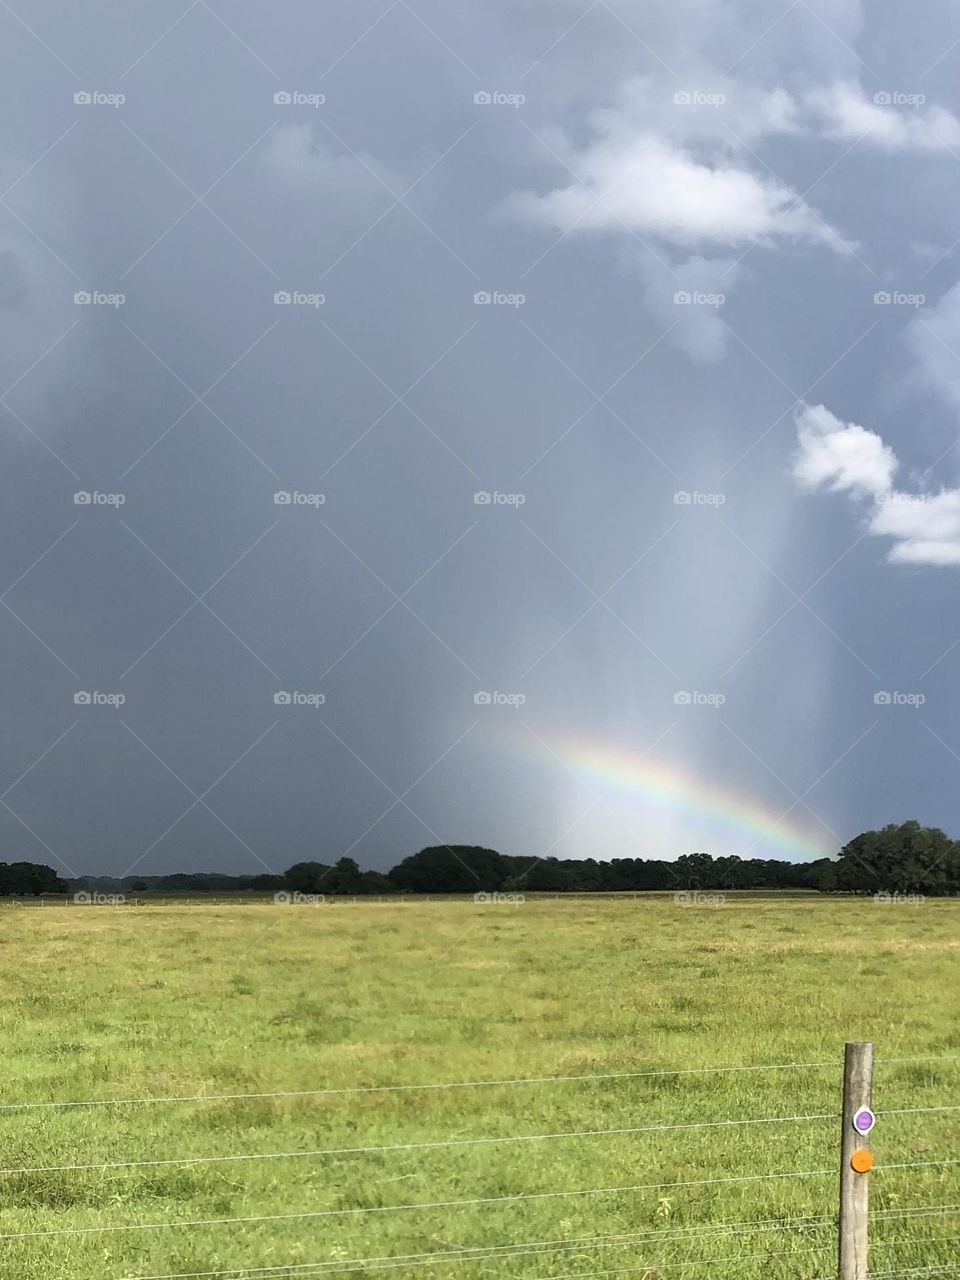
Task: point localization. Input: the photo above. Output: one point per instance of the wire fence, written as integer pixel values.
(907, 1238)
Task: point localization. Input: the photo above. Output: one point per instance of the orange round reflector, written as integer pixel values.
(862, 1161)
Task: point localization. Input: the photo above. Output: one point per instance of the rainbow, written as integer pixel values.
(669, 791)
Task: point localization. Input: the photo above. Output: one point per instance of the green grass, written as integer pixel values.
(173, 999)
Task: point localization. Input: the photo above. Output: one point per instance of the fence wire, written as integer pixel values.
(649, 1240)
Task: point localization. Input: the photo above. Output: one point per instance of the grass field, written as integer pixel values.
(133, 1002)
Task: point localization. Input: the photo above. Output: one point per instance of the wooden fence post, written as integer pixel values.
(855, 1159)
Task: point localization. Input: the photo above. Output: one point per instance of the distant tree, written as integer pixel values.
(654, 875)
(268, 882)
(904, 858)
(376, 882)
(452, 868)
(821, 875)
(550, 875)
(29, 879)
(307, 877)
(695, 871)
(344, 877)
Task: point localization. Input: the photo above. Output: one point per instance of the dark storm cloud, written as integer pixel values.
(583, 399)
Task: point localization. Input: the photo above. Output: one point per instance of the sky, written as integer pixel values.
(452, 422)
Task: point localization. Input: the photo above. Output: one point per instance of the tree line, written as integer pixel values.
(904, 858)
(29, 879)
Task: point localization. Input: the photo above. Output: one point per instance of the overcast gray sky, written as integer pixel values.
(615, 399)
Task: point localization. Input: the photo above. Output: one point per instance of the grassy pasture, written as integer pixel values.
(197, 998)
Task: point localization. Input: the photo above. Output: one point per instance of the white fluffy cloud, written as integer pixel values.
(677, 158)
(926, 526)
(675, 171)
(658, 189)
(678, 166)
(844, 111)
(673, 167)
(841, 456)
(844, 457)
